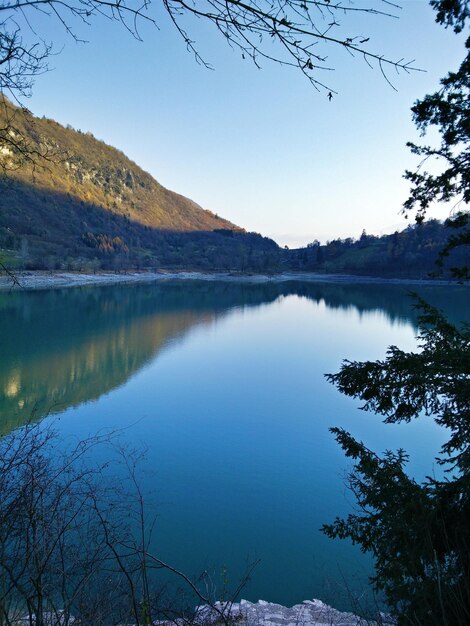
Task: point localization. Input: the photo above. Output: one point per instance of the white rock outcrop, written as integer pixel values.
(261, 613)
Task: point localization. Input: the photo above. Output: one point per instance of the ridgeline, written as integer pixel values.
(80, 204)
(70, 202)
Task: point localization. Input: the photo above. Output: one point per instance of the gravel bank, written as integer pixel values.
(55, 280)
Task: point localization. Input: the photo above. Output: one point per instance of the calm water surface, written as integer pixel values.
(223, 383)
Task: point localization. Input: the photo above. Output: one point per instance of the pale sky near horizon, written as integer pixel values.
(259, 147)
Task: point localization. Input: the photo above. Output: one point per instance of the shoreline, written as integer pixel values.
(35, 280)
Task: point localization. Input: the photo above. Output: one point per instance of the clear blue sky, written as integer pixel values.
(259, 147)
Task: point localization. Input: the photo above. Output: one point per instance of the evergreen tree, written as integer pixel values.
(418, 533)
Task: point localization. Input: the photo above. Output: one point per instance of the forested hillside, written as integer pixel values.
(411, 253)
(77, 203)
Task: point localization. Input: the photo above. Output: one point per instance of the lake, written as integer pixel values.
(223, 383)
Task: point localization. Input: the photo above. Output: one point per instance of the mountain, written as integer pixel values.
(83, 204)
(80, 204)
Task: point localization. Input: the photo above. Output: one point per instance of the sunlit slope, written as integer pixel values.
(69, 201)
(91, 171)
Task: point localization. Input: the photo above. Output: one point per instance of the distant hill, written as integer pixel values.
(89, 205)
(410, 253)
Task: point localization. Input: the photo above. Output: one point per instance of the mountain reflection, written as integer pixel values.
(61, 348)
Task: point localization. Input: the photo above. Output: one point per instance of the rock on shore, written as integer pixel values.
(309, 613)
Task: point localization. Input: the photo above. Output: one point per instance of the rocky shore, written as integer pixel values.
(244, 613)
(309, 613)
(59, 280)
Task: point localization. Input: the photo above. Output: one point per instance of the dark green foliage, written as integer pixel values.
(417, 533)
(447, 110)
(457, 240)
(452, 13)
(411, 253)
(434, 380)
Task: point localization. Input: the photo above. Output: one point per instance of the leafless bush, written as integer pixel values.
(74, 542)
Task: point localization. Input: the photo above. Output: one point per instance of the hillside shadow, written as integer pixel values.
(54, 230)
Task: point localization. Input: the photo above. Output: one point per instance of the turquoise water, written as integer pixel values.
(223, 384)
